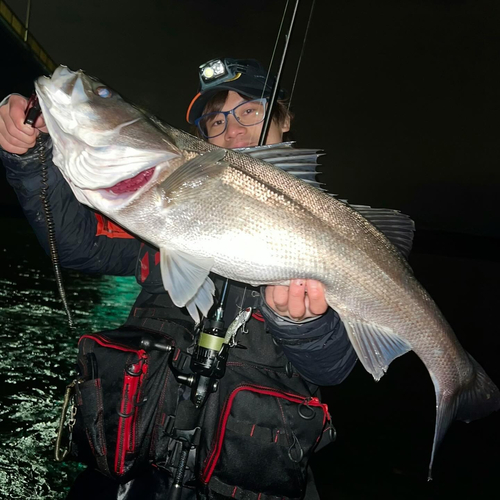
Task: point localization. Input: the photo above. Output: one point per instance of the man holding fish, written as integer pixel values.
(295, 341)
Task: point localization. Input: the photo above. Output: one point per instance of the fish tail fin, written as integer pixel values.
(477, 399)
(480, 398)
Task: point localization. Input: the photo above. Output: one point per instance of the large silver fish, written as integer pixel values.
(210, 209)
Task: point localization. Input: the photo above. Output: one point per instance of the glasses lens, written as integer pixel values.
(247, 113)
(251, 112)
(212, 124)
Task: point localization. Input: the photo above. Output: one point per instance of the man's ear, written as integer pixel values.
(286, 125)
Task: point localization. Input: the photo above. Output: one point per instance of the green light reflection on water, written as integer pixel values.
(38, 353)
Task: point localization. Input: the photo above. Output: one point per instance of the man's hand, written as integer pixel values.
(15, 137)
(302, 299)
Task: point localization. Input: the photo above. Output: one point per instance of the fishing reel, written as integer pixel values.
(209, 358)
(208, 361)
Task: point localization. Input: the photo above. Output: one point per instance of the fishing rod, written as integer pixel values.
(276, 86)
(208, 361)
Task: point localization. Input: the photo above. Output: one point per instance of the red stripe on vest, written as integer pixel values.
(257, 315)
(109, 229)
(145, 267)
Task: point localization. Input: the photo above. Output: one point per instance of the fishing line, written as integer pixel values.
(267, 120)
(271, 63)
(301, 53)
(275, 47)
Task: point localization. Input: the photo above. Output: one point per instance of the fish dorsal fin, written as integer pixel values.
(206, 164)
(376, 346)
(185, 278)
(301, 163)
(397, 227)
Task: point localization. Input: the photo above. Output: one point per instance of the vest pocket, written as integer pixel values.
(119, 403)
(263, 442)
(90, 408)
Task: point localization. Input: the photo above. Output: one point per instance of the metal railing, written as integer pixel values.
(25, 37)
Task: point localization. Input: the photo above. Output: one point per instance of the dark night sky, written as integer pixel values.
(401, 94)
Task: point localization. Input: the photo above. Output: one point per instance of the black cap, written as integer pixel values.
(246, 76)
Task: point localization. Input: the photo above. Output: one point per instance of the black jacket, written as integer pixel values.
(318, 349)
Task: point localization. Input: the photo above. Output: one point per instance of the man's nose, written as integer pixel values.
(233, 128)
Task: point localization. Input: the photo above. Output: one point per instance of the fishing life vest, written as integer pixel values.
(252, 438)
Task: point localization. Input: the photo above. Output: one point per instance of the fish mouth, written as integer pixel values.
(126, 191)
(58, 88)
(132, 184)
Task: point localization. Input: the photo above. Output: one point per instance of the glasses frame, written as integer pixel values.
(197, 122)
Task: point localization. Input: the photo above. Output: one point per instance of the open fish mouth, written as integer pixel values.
(132, 184)
(110, 150)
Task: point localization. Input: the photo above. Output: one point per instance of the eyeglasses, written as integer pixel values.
(247, 113)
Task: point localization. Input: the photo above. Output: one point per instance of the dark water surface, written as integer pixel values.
(385, 430)
(38, 352)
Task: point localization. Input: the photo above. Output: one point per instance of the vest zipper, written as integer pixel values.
(131, 393)
(104, 341)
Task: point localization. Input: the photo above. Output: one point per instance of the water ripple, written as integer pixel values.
(38, 354)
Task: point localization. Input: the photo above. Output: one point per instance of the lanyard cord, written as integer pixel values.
(42, 155)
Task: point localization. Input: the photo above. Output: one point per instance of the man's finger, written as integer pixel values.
(7, 141)
(280, 298)
(296, 299)
(17, 111)
(12, 148)
(40, 124)
(316, 293)
(11, 129)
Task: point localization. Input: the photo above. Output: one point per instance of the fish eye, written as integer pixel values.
(103, 92)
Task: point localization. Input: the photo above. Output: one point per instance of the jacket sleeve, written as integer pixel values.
(319, 350)
(83, 239)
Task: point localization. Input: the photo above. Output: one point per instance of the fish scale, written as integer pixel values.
(209, 209)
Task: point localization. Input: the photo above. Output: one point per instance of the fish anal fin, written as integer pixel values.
(185, 278)
(376, 346)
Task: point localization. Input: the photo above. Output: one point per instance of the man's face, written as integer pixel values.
(239, 136)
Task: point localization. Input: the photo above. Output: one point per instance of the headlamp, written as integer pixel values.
(245, 76)
(212, 70)
(217, 71)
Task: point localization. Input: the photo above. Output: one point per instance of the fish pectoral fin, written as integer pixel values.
(375, 345)
(189, 174)
(203, 300)
(186, 280)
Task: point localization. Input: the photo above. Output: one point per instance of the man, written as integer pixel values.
(266, 389)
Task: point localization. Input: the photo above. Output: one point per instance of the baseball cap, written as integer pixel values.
(246, 76)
